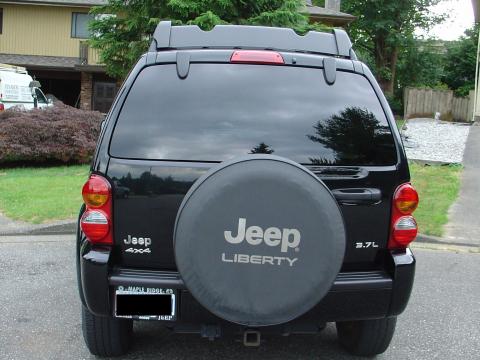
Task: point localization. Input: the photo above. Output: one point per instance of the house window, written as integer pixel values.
(80, 25)
(1, 20)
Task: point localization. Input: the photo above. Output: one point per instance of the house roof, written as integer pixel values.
(59, 63)
(36, 61)
(318, 13)
(86, 3)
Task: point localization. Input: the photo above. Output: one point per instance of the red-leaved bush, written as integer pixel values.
(57, 134)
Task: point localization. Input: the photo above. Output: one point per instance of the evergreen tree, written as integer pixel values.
(262, 148)
(122, 29)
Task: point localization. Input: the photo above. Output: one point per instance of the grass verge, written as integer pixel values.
(400, 123)
(437, 187)
(39, 195)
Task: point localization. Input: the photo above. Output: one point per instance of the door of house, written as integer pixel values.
(103, 95)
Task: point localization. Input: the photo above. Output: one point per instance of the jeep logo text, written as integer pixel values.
(137, 241)
(272, 236)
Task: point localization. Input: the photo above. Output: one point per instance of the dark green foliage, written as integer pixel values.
(421, 64)
(395, 103)
(384, 29)
(461, 61)
(122, 38)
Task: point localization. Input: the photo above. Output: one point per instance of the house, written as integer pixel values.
(49, 39)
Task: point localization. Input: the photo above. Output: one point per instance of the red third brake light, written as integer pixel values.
(256, 57)
(96, 220)
(403, 226)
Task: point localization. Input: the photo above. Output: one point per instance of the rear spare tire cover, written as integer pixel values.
(259, 240)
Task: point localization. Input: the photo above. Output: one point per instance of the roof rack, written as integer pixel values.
(167, 36)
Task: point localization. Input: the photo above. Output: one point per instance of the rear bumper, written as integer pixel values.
(353, 296)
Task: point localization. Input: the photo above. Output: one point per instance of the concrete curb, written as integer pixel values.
(428, 239)
(433, 162)
(445, 247)
(56, 228)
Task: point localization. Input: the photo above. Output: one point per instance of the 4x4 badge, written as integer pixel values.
(138, 251)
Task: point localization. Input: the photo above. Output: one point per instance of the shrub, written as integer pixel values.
(395, 104)
(59, 134)
(464, 90)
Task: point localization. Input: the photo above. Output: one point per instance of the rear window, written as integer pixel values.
(221, 111)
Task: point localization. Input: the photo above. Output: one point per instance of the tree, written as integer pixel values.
(125, 33)
(384, 28)
(262, 148)
(355, 135)
(461, 61)
(421, 64)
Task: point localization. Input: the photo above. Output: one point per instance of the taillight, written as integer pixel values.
(96, 221)
(95, 225)
(256, 57)
(406, 199)
(403, 225)
(404, 230)
(96, 191)
(2, 107)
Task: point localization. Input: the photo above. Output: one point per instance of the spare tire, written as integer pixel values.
(259, 240)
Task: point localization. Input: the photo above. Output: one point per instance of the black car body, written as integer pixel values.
(189, 105)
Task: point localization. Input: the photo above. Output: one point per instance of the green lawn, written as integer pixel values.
(438, 188)
(400, 123)
(38, 195)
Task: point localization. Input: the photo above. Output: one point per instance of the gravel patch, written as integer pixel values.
(431, 140)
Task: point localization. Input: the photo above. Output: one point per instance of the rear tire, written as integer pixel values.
(366, 337)
(106, 336)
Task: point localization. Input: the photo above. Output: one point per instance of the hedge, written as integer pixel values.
(58, 134)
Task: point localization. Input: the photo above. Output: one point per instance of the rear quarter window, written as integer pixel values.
(221, 111)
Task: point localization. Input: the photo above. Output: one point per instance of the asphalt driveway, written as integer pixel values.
(40, 313)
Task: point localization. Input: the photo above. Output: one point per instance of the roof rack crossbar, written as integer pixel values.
(167, 36)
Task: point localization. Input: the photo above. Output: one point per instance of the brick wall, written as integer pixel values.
(86, 90)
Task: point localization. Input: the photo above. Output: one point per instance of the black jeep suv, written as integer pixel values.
(252, 180)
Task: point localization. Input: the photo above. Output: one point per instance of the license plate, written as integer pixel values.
(145, 303)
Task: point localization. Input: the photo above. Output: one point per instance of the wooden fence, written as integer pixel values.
(427, 102)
